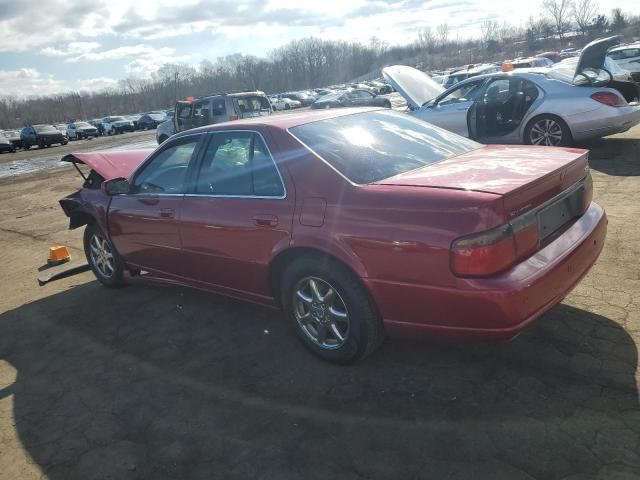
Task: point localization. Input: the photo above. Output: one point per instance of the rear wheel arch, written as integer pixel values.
(286, 257)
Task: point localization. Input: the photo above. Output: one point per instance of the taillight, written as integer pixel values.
(492, 251)
(609, 98)
(233, 117)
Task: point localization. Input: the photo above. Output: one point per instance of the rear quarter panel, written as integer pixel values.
(384, 232)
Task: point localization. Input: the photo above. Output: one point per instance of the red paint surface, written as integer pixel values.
(396, 235)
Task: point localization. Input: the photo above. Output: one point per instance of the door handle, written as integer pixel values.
(149, 200)
(266, 220)
(167, 212)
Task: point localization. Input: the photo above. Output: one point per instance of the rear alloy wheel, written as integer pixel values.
(330, 310)
(321, 312)
(548, 131)
(103, 258)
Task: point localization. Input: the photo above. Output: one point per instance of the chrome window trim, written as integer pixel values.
(273, 161)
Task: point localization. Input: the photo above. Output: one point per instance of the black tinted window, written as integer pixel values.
(367, 147)
(166, 173)
(238, 163)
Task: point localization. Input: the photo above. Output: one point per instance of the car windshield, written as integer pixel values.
(83, 125)
(45, 129)
(371, 146)
(117, 119)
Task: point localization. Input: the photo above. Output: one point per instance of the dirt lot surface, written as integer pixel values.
(152, 382)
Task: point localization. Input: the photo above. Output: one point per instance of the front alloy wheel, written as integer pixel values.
(321, 313)
(101, 255)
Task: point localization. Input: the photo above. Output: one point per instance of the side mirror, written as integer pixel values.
(116, 186)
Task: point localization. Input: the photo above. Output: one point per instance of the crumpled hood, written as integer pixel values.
(110, 164)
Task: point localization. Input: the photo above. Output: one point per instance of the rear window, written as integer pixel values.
(371, 146)
(252, 104)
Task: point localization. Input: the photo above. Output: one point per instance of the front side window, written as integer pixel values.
(371, 146)
(238, 164)
(167, 171)
(463, 93)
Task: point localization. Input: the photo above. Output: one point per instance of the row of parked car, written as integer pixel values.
(622, 61)
(45, 135)
(334, 96)
(577, 98)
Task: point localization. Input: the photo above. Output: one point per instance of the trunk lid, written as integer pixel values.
(525, 176)
(110, 165)
(593, 54)
(415, 86)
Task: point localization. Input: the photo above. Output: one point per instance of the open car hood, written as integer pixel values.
(415, 86)
(110, 165)
(594, 54)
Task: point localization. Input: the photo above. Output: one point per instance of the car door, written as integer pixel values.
(450, 110)
(183, 116)
(143, 224)
(238, 214)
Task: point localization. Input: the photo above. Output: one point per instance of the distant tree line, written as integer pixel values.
(312, 62)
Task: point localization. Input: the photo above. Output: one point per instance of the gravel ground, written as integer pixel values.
(158, 382)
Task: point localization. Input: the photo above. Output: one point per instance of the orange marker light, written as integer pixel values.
(58, 255)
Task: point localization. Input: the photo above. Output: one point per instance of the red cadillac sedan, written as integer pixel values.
(354, 223)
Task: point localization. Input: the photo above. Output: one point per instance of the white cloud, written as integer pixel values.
(128, 51)
(29, 82)
(72, 48)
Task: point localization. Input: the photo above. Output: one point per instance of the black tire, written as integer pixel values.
(387, 104)
(116, 278)
(287, 106)
(162, 139)
(532, 132)
(364, 328)
(64, 143)
(26, 146)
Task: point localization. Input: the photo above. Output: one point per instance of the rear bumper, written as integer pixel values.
(496, 308)
(604, 121)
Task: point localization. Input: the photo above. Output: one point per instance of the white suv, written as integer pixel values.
(113, 125)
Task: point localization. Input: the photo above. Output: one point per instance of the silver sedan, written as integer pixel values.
(539, 107)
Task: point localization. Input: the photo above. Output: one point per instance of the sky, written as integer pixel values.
(53, 46)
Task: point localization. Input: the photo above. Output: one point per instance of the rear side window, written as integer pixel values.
(239, 164)
(371, 146)
(252, 104)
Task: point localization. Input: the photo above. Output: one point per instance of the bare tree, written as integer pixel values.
(489, 30)
(427, 39)
(443, 34)
(559, 10)
(584, 11)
